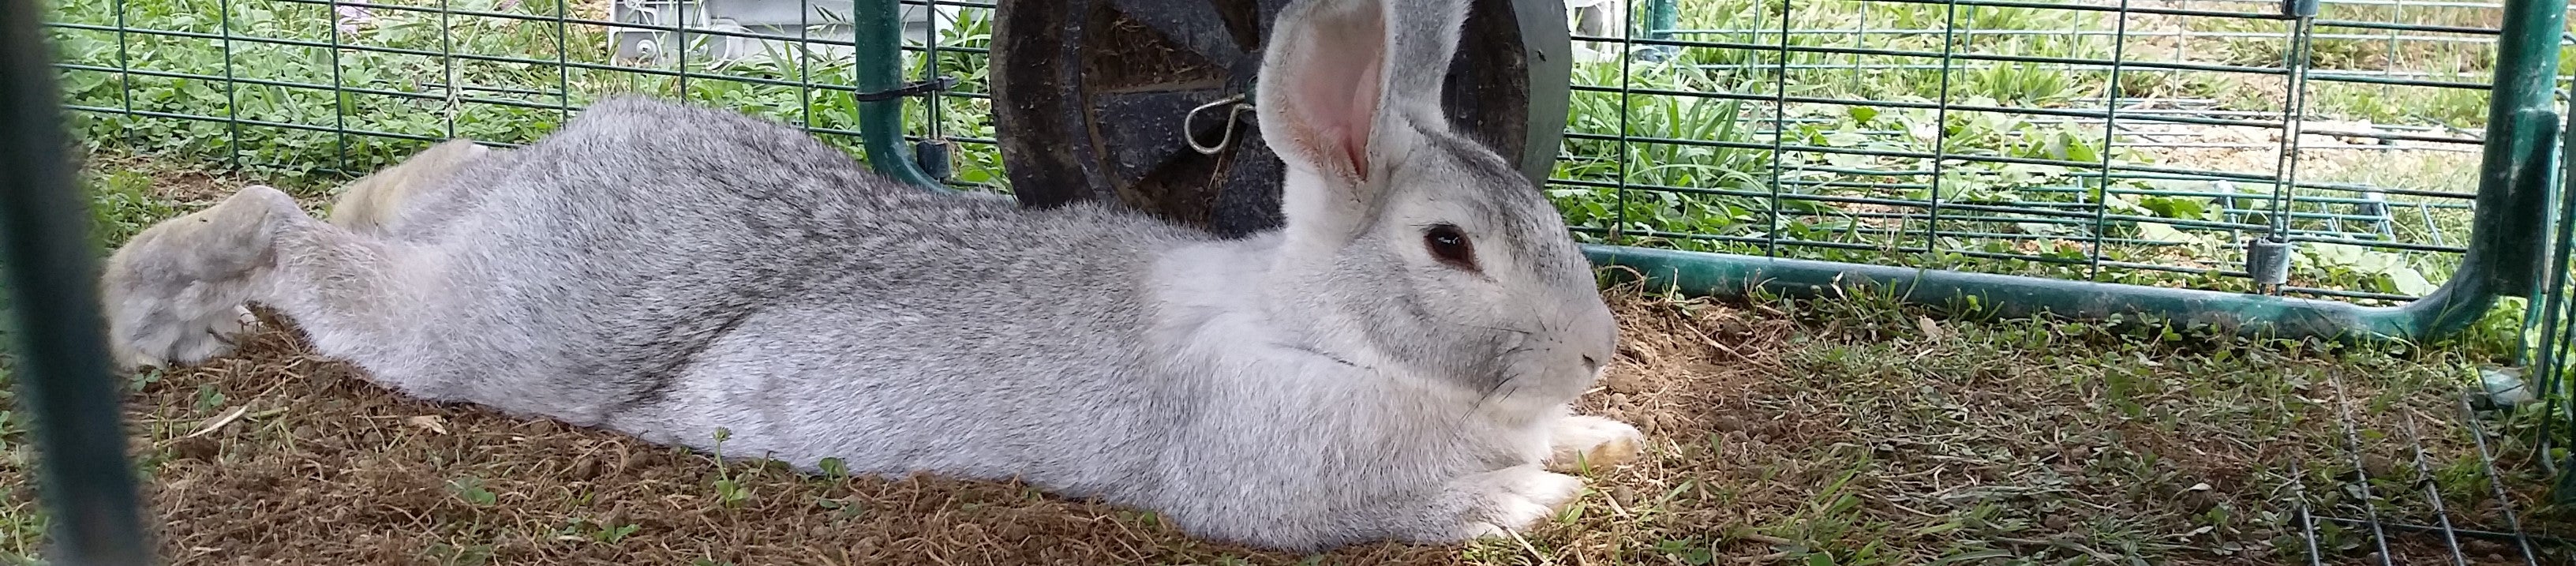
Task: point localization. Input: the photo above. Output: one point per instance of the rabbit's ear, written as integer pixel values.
(1343, 85)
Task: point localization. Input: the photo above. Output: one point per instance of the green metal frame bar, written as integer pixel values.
(2546, 346)
(2512, 204)
(877, 30)
(1662, 18)
(1549, 51)
(63, 372)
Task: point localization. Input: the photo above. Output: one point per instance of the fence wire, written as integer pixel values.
(340, 88)
(2135, 141)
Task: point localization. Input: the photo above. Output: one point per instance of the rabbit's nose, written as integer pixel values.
(1591, 364)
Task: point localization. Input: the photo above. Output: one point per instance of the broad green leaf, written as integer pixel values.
(2407, 280)
(2182, 207)
(2162, 232)
(2336, 254)
(2378, 262)
(2077, 149)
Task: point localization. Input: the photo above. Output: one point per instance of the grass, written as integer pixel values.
(22, 524)
(1848, 430)
(1845, 430)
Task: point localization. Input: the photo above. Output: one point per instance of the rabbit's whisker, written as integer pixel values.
(1321, 354)
(1498, 329)
(1490, 392)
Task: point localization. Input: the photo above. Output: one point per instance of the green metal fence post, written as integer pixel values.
(1662, 17)
(2546, 344)
(63, 371)
(2522, 127)
(878, 30)
(2521, 115)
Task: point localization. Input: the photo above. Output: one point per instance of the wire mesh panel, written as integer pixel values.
(2397, 495)
(2329, 149)
(340, 88)
(2151, 142)
(2125, 141)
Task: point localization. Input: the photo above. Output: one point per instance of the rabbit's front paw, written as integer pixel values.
(1582, 441)
(191, 341)
(1517, 498)
(175, 293)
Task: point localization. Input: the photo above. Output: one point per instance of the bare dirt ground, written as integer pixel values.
(1845, 431)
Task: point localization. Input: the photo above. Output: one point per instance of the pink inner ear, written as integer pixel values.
(1337, 81)
(1364, 100)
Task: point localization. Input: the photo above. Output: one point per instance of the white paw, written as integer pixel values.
(1584, 441)
(185, 342)
(214, 334)
(1521, 498)
(175, 293)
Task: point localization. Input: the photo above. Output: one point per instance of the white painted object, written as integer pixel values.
(2506, 388)
(827, 32)
(1597, 18)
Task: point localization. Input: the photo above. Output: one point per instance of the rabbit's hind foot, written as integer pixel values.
(175, 292)
(371, 203)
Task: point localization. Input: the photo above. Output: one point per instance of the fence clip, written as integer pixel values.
(1233, 115)
(917, 88)
(933, 157)
(2300, 8)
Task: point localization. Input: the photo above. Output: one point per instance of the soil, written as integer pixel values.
(277, 456)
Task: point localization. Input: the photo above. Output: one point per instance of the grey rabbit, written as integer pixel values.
(1397, 362)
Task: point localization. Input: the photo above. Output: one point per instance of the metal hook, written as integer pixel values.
(1190, 134)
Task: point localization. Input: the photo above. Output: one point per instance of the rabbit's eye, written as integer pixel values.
(1451, 246)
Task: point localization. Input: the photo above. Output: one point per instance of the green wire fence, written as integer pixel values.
(2128, 142)
(2353, 168)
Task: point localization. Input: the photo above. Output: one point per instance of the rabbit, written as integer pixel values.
(1397, 362)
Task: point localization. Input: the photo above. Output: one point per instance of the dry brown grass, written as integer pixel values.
(1835, 431)
(1872, 439)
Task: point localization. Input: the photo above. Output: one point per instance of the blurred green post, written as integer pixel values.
(64, 377)
(1662, 17)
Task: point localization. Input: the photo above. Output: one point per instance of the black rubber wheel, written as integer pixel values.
(1089, 98)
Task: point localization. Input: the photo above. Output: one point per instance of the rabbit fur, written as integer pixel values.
(668, 271)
